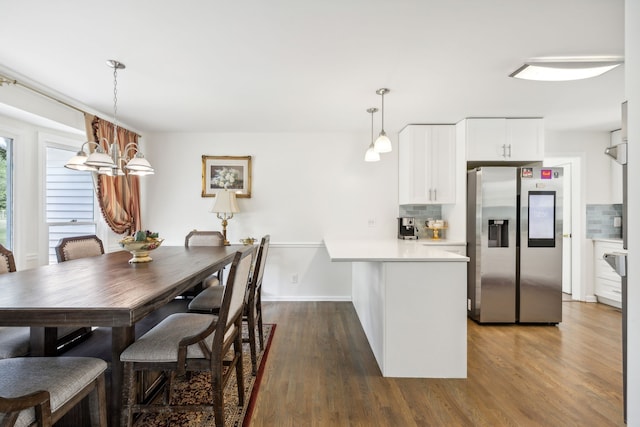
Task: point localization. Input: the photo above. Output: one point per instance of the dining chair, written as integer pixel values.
(210, 299)
(206, 238)
(14, 340)
(40, 390)
(67, 249)
(190, 342)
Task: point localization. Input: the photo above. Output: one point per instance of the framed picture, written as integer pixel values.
(233, 173)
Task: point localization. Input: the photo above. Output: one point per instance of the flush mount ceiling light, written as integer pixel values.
(371, 155)
(383, 143)
(564, 69)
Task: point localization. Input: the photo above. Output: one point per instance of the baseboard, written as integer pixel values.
(306, 298)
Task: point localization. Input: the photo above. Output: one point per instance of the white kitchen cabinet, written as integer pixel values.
(608, 284)
(504, 139)
(427, 164)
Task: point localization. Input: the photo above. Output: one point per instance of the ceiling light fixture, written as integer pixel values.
(109, 163)
(565, 69)
(371, 155)
(383, 143)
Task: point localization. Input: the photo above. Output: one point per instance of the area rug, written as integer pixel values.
(197, 389)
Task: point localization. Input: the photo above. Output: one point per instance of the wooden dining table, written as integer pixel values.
(104, 291)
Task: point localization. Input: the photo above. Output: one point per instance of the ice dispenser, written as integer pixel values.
(498, 233)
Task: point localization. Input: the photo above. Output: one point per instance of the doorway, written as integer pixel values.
(571, 235)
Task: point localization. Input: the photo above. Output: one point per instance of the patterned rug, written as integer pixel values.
(198, 389)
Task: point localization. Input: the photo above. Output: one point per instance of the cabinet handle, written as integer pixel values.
(504, 151)
(435, 194)
(430, 190)
(509, 150)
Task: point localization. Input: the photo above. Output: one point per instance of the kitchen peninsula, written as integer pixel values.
(410, 298)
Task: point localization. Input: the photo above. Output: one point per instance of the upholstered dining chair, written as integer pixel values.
(67, 249)
(206, 238)
(188, 342)
(40, 390)
(14, 340)
(209, 301)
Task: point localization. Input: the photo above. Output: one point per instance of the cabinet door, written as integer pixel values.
(426, 170)
(486, 139)
(441, 152)
(411, 167)
(525, 139)
(501, 139)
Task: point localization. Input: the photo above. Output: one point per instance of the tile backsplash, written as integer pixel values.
(421, 213)
(600, 221)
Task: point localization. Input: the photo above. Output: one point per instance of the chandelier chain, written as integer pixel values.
(115, 103)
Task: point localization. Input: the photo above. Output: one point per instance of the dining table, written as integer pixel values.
(104, 291)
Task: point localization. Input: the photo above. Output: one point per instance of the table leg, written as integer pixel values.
(43, 341)
(121, 338)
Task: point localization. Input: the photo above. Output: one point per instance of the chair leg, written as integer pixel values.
(251, 326)
(98, 403)
(259, 318)
(237, 348)
(129, 395)
(218, 393)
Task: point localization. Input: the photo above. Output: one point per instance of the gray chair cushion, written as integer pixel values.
(14, 341)
(207, 300)
(160, 344)
(62, 377)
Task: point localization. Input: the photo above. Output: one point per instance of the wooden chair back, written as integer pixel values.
(69, 248)
(256, 278)
(204, 238)
(7, 262)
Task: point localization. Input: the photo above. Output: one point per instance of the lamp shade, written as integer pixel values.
(139, 163)
(77, 162)
(225, 202)
(371, 155)
(99, 159)
(382, 144)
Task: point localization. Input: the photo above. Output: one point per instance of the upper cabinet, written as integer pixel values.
(427, 155)
(503, 139)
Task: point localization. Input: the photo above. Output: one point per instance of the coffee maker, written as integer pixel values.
(407, 228)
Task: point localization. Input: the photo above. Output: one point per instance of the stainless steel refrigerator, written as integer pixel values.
(514, 241)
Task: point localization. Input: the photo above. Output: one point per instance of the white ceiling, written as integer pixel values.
(314, 65)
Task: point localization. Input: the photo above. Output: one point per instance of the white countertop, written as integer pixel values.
(390, 250)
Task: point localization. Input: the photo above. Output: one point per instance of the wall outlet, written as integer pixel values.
(468, 304)
(371, 222)
(294, 278)
(617, 221)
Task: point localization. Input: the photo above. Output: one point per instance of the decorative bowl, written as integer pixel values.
(248, 241)
(140, 249)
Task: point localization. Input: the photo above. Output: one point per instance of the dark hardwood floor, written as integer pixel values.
(321, 372)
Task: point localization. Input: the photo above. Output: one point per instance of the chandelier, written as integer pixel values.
(112, 162)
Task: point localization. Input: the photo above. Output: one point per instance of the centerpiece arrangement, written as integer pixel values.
(140, 244)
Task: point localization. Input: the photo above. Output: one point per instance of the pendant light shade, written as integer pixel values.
(383, 143)
(371, 155)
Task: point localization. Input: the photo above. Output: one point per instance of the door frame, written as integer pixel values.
(578, 239)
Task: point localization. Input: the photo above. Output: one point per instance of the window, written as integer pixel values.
(70, 203)
(6, 186)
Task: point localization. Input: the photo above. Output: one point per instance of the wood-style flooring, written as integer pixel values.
(321, 372)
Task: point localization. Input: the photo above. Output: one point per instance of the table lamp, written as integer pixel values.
(225, 206)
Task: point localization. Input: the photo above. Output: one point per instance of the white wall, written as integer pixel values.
(304, 187)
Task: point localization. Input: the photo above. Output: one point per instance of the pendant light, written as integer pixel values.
(371, 155)
(383, 143)
(110, 163)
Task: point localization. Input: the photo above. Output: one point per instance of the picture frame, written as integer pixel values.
(234, 171)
